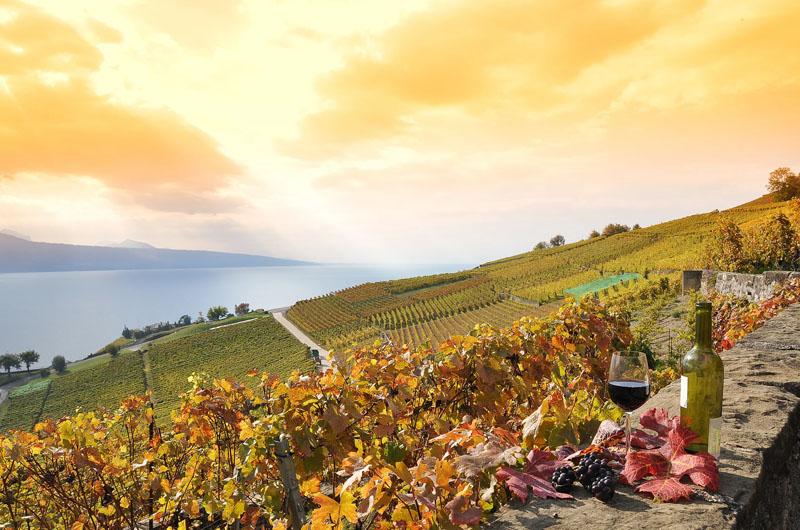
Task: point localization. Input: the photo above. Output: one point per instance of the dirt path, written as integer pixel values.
(234, 324)
(324, 355)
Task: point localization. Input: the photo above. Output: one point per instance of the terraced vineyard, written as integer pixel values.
(438, 330)
(102, 385)
(24, 405)
(224, 352)
(97, 382)
(104, 381)
(424, 308)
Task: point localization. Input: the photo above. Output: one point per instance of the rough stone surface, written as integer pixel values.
(759, 463)
(754, 287)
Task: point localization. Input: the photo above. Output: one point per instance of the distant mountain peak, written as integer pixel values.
(132, 243)
(13, 233)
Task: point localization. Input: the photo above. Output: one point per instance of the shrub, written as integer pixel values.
(615, 228)
(216, 312)
(784, 184)
(59, 364)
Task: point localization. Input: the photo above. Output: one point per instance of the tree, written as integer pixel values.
(216, 312)
(127, 333)
(636, 227)
(200, 318)
(784, 184)
(9, 361)
(614, 228)
(112, 349)
(773, 245)
(724, 247)
(59, 364)
(185, 320)
(29, 357)
(242, 309)
(593, 234)
(541, 245)
(557, 241)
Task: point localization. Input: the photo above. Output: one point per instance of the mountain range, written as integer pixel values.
(18, 254)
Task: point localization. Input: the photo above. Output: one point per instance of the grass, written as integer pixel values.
(226, 352)
(121, 342)
(193, 329)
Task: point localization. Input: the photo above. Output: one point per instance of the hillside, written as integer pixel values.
(20, 255)
(414, 310)
(409, 311)
(164, 368)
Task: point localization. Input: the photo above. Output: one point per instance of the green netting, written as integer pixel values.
(600, 284)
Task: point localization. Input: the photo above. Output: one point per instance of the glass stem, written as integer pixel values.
(627, 433)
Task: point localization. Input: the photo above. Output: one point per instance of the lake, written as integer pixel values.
(76, 313)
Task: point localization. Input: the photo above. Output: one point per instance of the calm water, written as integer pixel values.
(76, 313)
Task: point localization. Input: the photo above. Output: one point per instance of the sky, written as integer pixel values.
(382, 131)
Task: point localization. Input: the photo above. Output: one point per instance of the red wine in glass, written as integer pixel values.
(628, 385)
(629, 395)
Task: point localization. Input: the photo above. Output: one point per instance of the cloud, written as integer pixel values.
(475, 57)
(195, 25)
(53, 121)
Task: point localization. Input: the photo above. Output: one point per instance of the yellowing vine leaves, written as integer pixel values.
(390, 438)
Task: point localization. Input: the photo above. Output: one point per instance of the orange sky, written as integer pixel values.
(453, 131)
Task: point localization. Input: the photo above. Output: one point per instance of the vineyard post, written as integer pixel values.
(289, 478)
(151, 428)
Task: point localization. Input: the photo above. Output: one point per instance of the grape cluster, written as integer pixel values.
(596, 476)
(563, 478)
(593, 472)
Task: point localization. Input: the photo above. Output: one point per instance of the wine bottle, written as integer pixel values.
(702, 376)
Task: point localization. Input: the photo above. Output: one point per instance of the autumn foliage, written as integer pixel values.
(393, 437)
(735, 317)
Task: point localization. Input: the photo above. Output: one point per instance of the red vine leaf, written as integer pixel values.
(542, 463)
(461, 512)
(666, 489)
(641, 464)
(658, 420)
(643, 440)
(700, 468)
(519, 483)
(668, 464)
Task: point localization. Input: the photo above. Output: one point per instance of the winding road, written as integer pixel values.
(324, 355)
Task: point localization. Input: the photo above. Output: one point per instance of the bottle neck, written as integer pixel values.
(703, 329)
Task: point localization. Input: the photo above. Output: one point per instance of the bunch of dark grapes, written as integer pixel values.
(594, 473)
(563, 478)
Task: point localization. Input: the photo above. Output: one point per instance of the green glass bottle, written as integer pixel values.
(702, 376)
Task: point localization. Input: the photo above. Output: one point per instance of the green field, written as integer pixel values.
(231, 351)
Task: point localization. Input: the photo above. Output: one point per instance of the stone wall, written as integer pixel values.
(759, 462)
(754, 287)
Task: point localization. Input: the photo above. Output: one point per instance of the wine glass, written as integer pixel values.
(629, 385)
